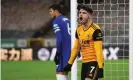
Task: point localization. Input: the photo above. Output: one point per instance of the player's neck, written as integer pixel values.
(58, 14)
(87, 25)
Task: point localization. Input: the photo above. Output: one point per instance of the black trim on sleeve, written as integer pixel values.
(76, 35)
(97, 35)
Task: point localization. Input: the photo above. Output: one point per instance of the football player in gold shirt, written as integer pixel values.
(89, 42)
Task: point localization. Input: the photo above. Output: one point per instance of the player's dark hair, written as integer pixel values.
(56, 7)
(87, 8)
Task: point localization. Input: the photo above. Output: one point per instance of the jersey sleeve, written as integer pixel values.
(75, 49)
(76, 35)
(57, 30)
(74, 52)
(97, 35)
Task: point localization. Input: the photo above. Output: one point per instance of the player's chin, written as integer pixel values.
(52, 16)
(81, 22)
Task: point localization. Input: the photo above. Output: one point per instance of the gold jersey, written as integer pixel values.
(87, 40)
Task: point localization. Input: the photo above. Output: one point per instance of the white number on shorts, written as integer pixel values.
(92, 68)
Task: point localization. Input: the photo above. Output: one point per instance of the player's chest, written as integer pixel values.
(86, 35)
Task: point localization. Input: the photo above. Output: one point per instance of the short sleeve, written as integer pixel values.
(97, 35)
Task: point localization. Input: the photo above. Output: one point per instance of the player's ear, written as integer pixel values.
(90, 16)
(56, 11)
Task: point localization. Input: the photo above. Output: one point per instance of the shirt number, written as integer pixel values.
(68, 29)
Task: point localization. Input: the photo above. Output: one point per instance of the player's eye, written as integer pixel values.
(79, 12)
(84, 12)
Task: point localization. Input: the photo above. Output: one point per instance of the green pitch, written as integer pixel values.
(39, 70)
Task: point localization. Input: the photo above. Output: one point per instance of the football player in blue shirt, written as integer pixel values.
(61, 26)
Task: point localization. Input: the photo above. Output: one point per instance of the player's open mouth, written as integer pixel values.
(80, 18)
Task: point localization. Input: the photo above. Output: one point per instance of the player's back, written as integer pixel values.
(64, 26)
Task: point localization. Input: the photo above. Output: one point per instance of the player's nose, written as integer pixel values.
(80, 14)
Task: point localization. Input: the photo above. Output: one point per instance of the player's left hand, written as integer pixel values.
(68, 67)
(100, 73)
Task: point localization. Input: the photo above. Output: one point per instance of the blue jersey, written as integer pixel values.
(61, 26)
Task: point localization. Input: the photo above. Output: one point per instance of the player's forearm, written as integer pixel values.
(58, 46)
(99, 53)
(73, 55)
(74, 52)
(58, 41)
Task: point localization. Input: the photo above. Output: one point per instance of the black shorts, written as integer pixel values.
(89, 70)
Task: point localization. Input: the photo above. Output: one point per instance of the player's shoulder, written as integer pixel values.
(62, 18)
(55, 23)
(96, 29)
(96, 26)
(98, 33)
(55, 20)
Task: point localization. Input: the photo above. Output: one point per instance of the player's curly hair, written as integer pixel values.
(87, 8)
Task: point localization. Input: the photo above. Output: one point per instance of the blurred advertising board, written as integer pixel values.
(48, 53)
(15, 54)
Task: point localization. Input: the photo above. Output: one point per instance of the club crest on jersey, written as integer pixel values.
(88, 36)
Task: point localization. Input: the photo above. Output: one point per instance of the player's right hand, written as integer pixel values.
(68, 67)
(56, 59)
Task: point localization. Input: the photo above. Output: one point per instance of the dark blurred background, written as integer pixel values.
(27, 23)
(24, 19)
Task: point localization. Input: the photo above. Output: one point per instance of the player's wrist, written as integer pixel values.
(100, 65)
(70, 62)
(100, 68)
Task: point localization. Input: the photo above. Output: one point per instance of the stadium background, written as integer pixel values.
(28, 42)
